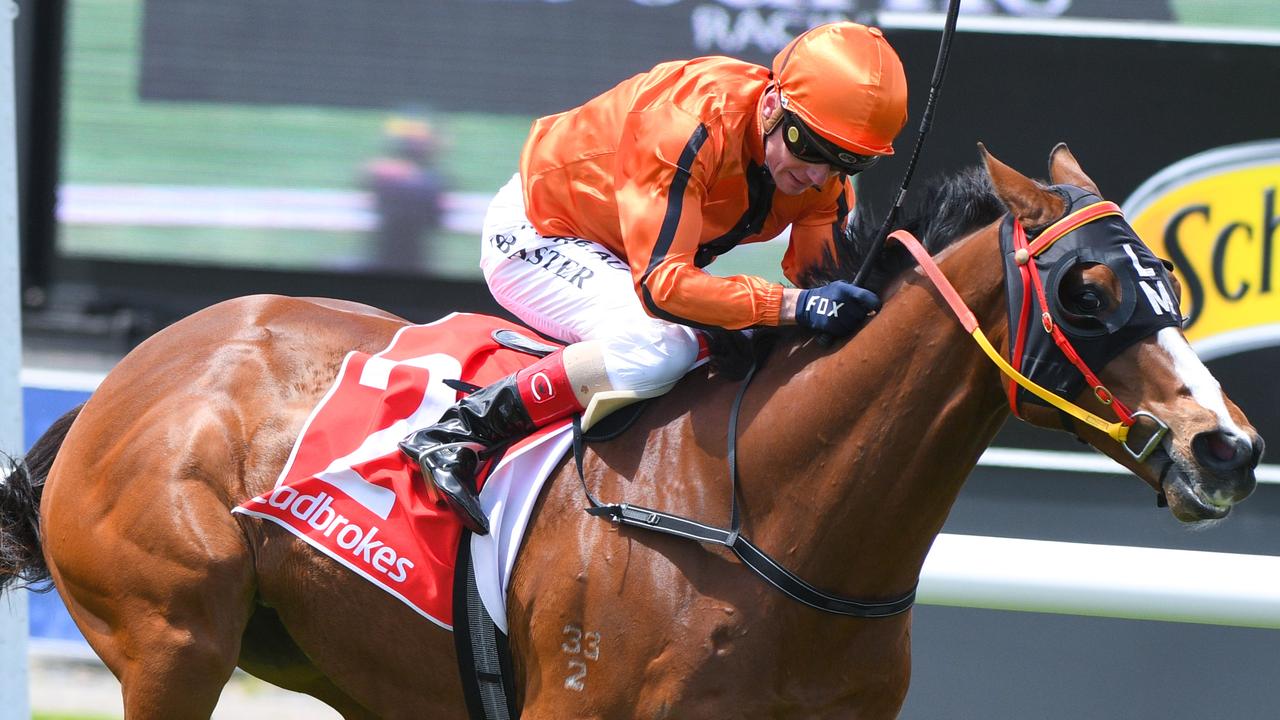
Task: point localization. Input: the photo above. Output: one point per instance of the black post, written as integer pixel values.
(38, 64)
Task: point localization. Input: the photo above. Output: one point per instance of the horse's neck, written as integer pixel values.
(868, 446)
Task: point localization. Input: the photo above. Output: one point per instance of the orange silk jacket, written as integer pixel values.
(667, 170)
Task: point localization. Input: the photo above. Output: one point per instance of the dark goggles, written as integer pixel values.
(808, 146)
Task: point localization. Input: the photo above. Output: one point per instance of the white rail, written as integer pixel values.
(1103, 580)
(224, 207)
(1090, 463)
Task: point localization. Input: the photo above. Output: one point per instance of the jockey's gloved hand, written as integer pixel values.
(835, 309)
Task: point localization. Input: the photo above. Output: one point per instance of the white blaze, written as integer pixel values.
(1203, 385)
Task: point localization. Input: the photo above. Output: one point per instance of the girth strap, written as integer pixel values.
(752, 556)
(484, 655)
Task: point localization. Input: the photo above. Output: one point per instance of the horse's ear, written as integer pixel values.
(1028, 200)
(1065, 170)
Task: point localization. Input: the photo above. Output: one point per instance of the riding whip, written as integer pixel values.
(926, 121)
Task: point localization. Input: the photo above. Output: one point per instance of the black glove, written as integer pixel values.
(732, 351)
(835, 309)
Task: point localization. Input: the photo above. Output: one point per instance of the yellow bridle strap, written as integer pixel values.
(1117, 431)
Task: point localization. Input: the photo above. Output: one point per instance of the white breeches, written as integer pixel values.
(577, 290)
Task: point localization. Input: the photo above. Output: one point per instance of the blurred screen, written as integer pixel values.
(327, 135)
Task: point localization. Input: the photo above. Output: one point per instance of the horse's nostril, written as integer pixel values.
(1221, 448)
(1222, 451)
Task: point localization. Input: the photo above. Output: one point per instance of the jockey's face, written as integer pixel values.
(791, 174)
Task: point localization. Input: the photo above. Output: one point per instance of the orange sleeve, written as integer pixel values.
(661, 166)
(814, 237)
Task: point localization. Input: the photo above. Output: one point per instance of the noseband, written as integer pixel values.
(1051, 359)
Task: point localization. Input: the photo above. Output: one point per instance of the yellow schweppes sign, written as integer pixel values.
(1216, 215)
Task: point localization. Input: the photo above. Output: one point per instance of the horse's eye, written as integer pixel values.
(1088, 301)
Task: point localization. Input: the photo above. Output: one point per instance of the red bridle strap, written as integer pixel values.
(1056, 231)
(1018, 338)
(1062, 227)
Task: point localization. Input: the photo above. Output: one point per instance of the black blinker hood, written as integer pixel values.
(1147, 303)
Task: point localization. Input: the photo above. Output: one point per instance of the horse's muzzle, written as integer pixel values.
(1220, 473)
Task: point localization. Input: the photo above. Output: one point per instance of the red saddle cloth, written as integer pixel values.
(347, 489)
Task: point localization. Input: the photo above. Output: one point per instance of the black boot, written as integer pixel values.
(449, 451)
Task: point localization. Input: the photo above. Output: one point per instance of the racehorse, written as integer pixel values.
(850, 457)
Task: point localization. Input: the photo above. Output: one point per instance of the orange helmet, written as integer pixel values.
(846, 84)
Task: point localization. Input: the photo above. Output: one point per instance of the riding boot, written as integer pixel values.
(448, 452)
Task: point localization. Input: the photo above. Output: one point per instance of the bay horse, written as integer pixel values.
(850, 459)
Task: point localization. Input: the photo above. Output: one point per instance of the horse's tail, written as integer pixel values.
(21, 555)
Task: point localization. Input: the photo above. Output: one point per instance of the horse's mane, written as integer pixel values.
(950, 208)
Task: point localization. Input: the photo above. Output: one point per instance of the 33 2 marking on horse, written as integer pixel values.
(581, 647)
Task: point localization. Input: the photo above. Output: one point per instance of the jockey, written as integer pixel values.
(600, 239)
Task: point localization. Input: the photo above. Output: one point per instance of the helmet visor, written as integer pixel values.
(810, 147)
